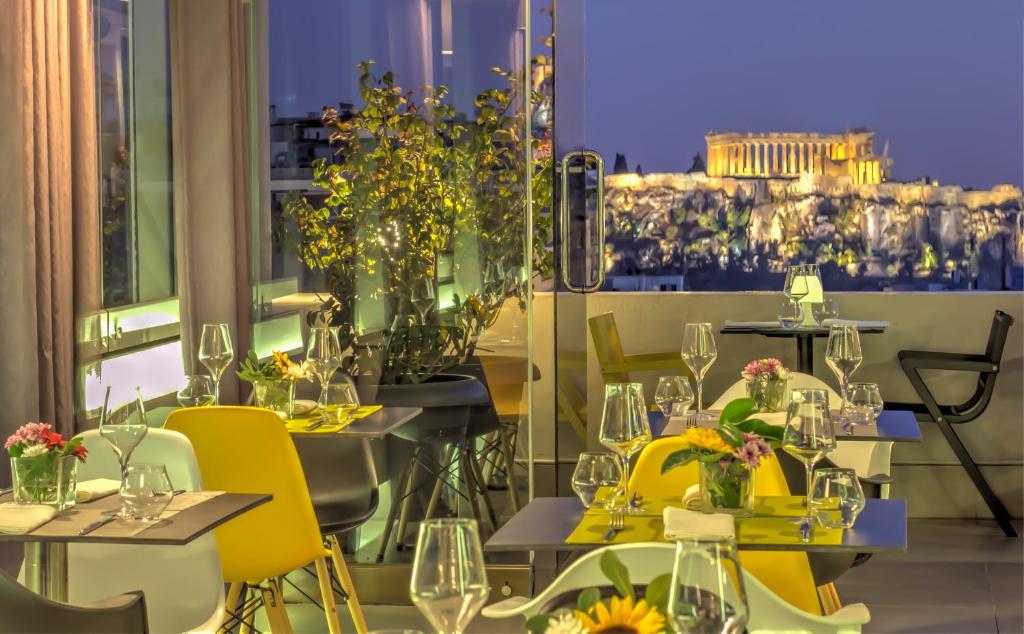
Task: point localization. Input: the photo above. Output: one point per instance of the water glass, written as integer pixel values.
(866, 403)
(699, 353)
(624, 428)
(340, 402)
(825, 309)
(707, 593)
(216, 352)
(673, 395)
(809, 434)
(449, 580)
(595, 471)
(146, 492)
(791, 313)
(838, 489)
(198, 391)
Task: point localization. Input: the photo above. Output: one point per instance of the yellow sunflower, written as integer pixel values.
(703, 438)
(622, 616)
(282, 361)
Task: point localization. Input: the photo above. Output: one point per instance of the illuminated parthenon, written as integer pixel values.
(790, 154)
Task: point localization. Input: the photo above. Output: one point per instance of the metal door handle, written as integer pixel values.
(586, 156)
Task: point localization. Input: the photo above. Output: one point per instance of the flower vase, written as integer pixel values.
(277, 395)
(769, 395)
(45, 479)
(727, 486)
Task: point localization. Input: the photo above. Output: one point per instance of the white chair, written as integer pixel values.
(645, 561)
(183, 585)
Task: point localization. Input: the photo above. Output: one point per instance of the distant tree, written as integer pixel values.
(639, 169)
(698, 164)
(621, 167)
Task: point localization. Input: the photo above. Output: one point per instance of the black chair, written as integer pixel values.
(25, 612)
(945, 416)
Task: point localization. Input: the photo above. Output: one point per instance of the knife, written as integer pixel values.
(97, 524)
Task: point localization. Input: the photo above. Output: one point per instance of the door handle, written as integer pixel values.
(586, 157)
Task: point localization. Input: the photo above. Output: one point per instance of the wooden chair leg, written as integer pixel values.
(829, 598)
(481, 489)
(403, 518)
(467, 484)
(323, 575)
(354, 607)
(435, 495)
(508, 454)
(248, 619)
(389, 523)
(230, 605)
(489, 466)
(277, 614)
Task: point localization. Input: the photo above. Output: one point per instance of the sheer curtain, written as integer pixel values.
(211, 175)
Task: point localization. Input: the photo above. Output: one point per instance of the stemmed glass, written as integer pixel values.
(699, 352)
(809, 434)
(197, 392)
(673, 395)
(843, 354)
(624, 428)
(216, 353)
(595, 471)
(826, 309)
(707, 593)
(124, 427)
(795, 285)
(323, 354)
(449, 580)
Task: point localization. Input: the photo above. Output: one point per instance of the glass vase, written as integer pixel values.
(47, 479)
(277, 395)
(727, 487)
(769, 395)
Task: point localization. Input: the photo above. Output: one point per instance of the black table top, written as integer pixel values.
(891, 426)
(801, 331)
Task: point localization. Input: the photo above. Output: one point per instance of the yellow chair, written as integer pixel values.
(616, 365)
(788, 574)
(248, 450)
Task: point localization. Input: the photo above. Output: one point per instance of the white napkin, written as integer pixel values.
(691, 499)
(860, 323)
(17, 519)
(680, 524)
(92, 489)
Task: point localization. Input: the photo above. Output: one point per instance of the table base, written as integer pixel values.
(46, 569)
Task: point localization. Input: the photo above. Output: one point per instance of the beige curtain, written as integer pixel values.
(211, 175)
(49, 245)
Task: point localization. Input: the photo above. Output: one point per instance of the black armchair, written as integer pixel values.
(24, 612)
(945, 416)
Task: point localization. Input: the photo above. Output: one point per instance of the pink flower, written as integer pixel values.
(29, 434)
(770, 368)
(749, 454)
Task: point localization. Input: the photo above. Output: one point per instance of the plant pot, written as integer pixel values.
(47, 479)
(277, 395)
(769, 395)
(727, 488)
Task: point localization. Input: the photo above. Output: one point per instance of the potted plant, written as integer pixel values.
(44, 465)
(767, 381)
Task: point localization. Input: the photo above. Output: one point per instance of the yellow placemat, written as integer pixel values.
(301, 423)
(772, 523)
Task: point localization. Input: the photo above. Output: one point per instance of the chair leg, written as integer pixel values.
(273, 603)
(435, 495)
(508, 453)
(230, 605)
(403, 518)
(323, 575)
(393, 510)
(354, 607)
(467, 477)
(487, 465)
(829, 598)
(480, 489)
(247, 619)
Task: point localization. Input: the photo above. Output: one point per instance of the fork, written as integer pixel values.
(617, 523)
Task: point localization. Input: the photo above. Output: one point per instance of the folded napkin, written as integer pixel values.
(691, 499)
(752, 324)
(680, 524)
(92, 489)
(18, 519)
(860, 323)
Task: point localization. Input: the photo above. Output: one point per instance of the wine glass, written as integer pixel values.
(146, 491)
(215, 352)
(795, 285)
(843, 354)
(624, 428)
(699, 352)
(809, 434)
(673, 395)
(198, 391)
(595, 471)
(323, 354)
(827, 308)
(124, 427)
(866, 402)
(838, 488)
(791, 313)
(707, 593)
(449, 581)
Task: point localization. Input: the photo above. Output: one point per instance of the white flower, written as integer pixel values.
(566, 623)
(34, 450)
(296, 372)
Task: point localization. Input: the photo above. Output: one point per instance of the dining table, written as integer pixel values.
(190, 515)
(804, 335)
(376, 424)
(892, 425)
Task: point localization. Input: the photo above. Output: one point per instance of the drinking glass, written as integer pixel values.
(146, 492)
(699, 352)
(838, 488)
(198, 391)
(215, 352)
(594, 471)
(323, 354)
(795, 285)
(825, 309)
(124, 427)
(449, 581)
(809, 434)
(707, 593)
(843, 354)
(673, 395)
(866, 403)
(624, 428)
(340, 402)
(791, 313)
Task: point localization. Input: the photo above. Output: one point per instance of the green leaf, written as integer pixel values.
(771, 433)
(738, 410)
(730, 434)
(538, 623)
(657, 592)
(587, 599)
(712, 457)
(617, 573)
(678, 459)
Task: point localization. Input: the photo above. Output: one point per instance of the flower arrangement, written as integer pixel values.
(278, 367)
(728, 455)
(43, 465)
(620, 613)
(33, 440)
(767, 380)
(765, 369)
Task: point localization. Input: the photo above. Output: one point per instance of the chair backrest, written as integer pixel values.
(1001, 323)
(608, 346)
(788, 574)
(25, 612)
(976, 405)
(248, 450)
(342, 480)
(183, 585)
